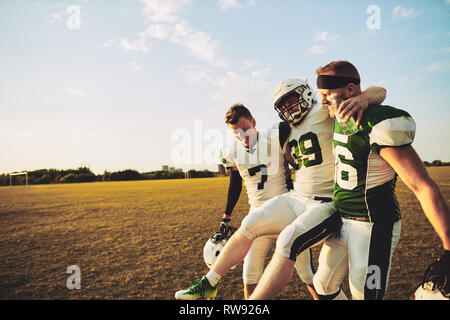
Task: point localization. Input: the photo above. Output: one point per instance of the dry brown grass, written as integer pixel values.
(144, 240)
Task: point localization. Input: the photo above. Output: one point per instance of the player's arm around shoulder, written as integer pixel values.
(409, 167)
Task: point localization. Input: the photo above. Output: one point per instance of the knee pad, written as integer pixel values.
(248, 224)
(284, 242)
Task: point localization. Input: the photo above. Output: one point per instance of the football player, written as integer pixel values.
(257, 159)
(366, 168)
(310, 146)
(312, 197)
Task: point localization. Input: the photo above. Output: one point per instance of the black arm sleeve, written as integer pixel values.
(285, 131)
(234, 191)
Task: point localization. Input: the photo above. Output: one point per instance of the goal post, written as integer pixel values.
(25, 173)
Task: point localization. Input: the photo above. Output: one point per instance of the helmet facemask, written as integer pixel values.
(295, 111)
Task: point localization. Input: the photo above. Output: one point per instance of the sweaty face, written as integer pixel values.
(244, 130)
(327, 96)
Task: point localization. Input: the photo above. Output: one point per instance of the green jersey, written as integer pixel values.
(364, 181)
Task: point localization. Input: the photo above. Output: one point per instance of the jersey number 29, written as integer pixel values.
(308, 145)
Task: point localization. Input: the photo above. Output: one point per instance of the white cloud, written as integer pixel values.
(443, 50)
(250, 64)
(137, 45)
(56, 16)
(227, 4)
(324, 36)
(166, 23)
(157, 31)
(403, 13)
(135, 67)
(198, 43)
(439, 66)
(316, 49)
(241, 86)
(198, 74)
(251, 2)
(402, 81)
(108, 43)
(163, 10)
(405, 81)
(77, 92)
(382, 82)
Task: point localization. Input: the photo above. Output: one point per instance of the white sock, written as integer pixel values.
(213, 277)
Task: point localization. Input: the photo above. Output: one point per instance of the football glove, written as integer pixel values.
(224, 226)
(225, 231)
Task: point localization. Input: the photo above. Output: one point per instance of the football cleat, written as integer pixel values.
(200, 289)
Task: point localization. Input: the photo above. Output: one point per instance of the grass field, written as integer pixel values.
(144, 239)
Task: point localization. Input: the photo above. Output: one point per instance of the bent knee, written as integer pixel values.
(292, 241)
(324, 285)
(248, 226)
(284, 242)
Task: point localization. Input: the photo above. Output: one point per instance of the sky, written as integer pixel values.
(125, 84)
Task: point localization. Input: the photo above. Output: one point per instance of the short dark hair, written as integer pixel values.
(236, 112)
(340, 68)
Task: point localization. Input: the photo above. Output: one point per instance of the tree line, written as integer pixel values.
(84, 174)
(436, 163)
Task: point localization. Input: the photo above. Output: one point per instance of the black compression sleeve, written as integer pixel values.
(234, 191)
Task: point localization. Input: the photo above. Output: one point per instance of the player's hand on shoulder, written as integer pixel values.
(353, 107)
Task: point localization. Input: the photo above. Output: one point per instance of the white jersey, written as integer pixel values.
(262, 167)
(311, 148)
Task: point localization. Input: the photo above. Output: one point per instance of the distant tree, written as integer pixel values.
(125, 175)
(106, 176)
(70, 177)
(436, 163)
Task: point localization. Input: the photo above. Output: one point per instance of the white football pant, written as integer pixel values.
(364, 252)
(312, 221)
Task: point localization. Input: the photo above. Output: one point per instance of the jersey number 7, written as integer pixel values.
(263, 169)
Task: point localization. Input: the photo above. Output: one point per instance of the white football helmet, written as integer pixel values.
(435, 284)
(295, 113)
(214, 247)
(429, 291)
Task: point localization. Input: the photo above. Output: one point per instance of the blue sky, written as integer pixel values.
(116, 88)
